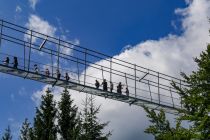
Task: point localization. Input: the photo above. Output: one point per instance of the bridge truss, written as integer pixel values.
(147, 87)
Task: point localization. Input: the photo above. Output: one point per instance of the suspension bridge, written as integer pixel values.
(37, 52)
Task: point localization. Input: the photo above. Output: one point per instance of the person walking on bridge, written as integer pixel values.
(127, 91)
(97, 84)
(67, 77)
(47, 72)
(36, 69)
(6, 61)
(104, 83)
(15, 63)
(119, 88)
(58, 74)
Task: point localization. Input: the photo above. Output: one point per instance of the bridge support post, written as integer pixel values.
(78, 71)
(1, 31)
(51, 62)
(172, 97)
(135, 78)
(110, 69)
(29, 56)
(159, 87)
(150, 90)
(85, 66)
(24, 56)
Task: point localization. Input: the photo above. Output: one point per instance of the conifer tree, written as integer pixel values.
(195, 101)
(92, 128)
(44, 121)
(7, 135)
(68, 120)
(25, 132)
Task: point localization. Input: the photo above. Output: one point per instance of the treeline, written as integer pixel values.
(62, 121)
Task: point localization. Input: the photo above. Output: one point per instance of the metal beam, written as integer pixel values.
(43, 43)
(143, 76)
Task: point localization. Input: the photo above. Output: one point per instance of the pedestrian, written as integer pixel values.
(47, 72)
(15, 63)
(97, 84)
(104, 83)
(127, 91)
(6, 61)
(111, 86)
(119, 88)
(67, 77)
(36, 69)
(58, 74)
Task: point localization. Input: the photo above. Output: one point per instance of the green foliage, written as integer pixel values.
(196, 106)
(7, 135)
(44, 122)
(162, 130)
(26, 131)
(68, 120)
(91, 126)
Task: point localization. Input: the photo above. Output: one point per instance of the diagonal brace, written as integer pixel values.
(43, 43)
(143, 76)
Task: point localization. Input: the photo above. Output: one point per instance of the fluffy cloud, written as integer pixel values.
(38, 24)
(33, 3)
(18, 9)
(169, 55)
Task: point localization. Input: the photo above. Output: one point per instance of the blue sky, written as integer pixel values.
(106, 26)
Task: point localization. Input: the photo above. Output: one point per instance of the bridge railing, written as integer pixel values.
(142, 82)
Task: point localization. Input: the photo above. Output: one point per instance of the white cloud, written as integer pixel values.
(39, 25)
(18, 9)
(33, 3)
(22, 91)
(169, 55)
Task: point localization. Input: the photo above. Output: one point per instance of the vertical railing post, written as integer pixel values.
(172, 97)
(110, 69)
(1, 31)
(102, 70)
(126, 81)
(78, 70)
(85, 66)
(58, 60)
(24, 56)
(29, 59)
(51, 62)
(135, 78)
(150, 90)
(159, 87)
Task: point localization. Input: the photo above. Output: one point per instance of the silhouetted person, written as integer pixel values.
(6, 61)
(127, 91)
(67, 76)
(104, 83)
(58, 74)
(97, 84)
(47, 72)
(119, 88)
(111, 86)
(36, 69)
(15, 63)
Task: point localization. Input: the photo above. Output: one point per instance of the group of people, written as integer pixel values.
(15, 62)
(47, 73)
(36, 69)
(105, 86)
